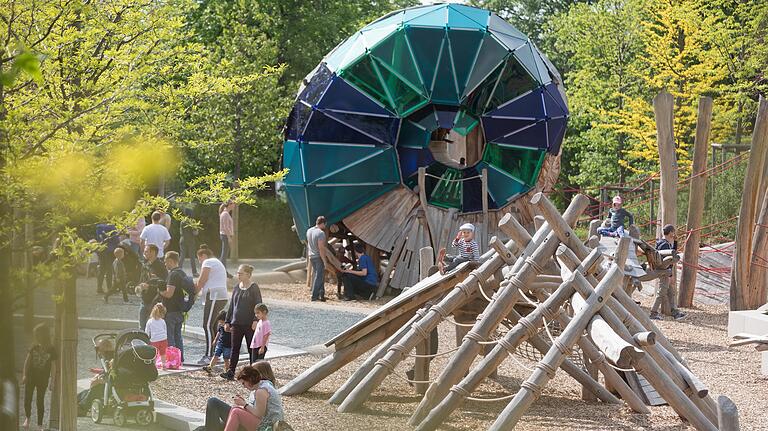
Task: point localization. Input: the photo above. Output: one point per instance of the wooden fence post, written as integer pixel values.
(421, 365)
(727, 414)
(663, 109)
(740, 295)
(696, 205)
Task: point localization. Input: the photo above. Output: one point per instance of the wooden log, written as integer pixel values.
(538, 222)
(622, 353)
(758, 275)
(331, 363)
(393, 258)
(484, 196)
(695, 206)
(426, 261)
(698, 387)
(544, 371)
(645, 339)
(727, 414)
(529, 267)
(741, 297)
(513, 229)
(505, 254)
(663, 108)
(593, 226)
(366, 367)
(421, 363)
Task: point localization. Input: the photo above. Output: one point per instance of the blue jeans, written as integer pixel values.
(216, 414)
(174, 320)
(318, 278)
(224, 249)
(616, 232)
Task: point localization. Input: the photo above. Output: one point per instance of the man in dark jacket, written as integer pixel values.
(154, 274)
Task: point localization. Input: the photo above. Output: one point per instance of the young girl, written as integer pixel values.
(262, 333)
(38, 368)
(157, 331)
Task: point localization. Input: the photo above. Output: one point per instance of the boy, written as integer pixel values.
(119, 276)
(465, 243)
(615, 226)
(223, 342)
(666, 293)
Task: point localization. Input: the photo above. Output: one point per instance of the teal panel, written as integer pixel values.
(426, 44)
(448, 191)
(354, 52)
(333, 60)
(436, 18)
(395, 53)
(297, 200)
(371, 37)
(477, 100)
(480, 16)
(490, 56)
(542, 67)
(521, 163)
(465, 45)
(444, 88)
(524, 55)
(413, 135)
(322, 161)
(501, 186)
(457, 19)
(405, 98)
(393, 18)
(335, 203)
(293, 161)
(379, 167)
(366, 78)
(464, 123)
(497, 24)
(514, 81)
(511, 42)
(430, 121)
(410, 14)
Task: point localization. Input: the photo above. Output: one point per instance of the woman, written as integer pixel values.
(260, 411)
(226, 229)
(212, 285)
(241, 319)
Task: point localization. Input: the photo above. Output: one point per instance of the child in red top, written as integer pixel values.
(262, 333)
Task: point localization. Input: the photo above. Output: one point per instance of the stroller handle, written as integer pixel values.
(98, 337)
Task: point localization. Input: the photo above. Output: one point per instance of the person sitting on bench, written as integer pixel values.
(614, 225)
(362, 281)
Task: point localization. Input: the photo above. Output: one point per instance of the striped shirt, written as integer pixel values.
(467, 249)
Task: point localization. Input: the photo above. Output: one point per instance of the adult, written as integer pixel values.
(134, 233)
(362, 281)
(316, 249)
(165, 218)
(212, 285)
(260, 411)
(241, 319)
(226, 230)
(153, 274)
(173, 300)
(188, 243)
(156, 234)
(107, 236)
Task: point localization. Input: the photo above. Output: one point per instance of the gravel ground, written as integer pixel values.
(701, 338)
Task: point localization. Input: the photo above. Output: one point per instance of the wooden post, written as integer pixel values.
(741, 297)
(234, 251)
(695, 203)
(758, 275)
(484, 195)
(652, 216)
(68, 361)
(727, 414)
(421, 363)
(663, 105)
(29, 288)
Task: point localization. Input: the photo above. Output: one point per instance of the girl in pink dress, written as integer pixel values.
(262, 333)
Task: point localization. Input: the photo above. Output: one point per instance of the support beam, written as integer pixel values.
(663, 108)
(727, 414)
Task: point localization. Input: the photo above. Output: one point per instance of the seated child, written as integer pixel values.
(262, 333)
(465, 243)
(361, 282)
(666, 293)
(614, 225)
(223, 343)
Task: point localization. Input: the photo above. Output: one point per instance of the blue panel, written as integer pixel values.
(384, 129)
(553, 102)
(480, 16)
(446, 116)
(344, 97)
(556, 129)
(323, 128)
(472, 199)
(532, 137)
(297, 120)
(526, 106)
(411, 159)
(412, 135)
(499, 127)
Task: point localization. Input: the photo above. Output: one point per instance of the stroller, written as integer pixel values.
(128, 369)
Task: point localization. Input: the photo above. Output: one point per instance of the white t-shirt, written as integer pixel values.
(156, 330)
(155, 234)
(217, 280)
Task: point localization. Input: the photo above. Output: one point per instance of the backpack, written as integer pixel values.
(188, 288)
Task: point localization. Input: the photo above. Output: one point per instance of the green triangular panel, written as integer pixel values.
(523, 164)
(501, 186)
(333, 60)
(405, 98)
(297, 200)
(395, 53)
(374, 36)
(436, 18)
(335, 203)
(426, 44)
(410, 14)
(464, 47)
(496, 24)
(464, 123)
(413, 135)
(379, 166)
(354, 52)
(364, 76)
(293, 161)
(448, 192)
(394, 18)
(512, 43)
(514, 81)
(478, 99)
(322, 160)
(479, 16)
(524, 55)
(457, 19)
(490, 56)
(430, 121)
(444, 88)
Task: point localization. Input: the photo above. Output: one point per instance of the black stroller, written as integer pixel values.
(128, 370)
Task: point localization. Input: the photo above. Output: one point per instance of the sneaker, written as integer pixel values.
(204, 360)
(322, 299)
(345, 299)
(655, 316)
(678, 315)
(227, 376)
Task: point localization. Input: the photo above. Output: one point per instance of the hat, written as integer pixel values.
(467, 226)
(617, 199)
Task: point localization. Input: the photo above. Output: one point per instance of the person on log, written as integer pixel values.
(614, 225)
(316, 249)
(666, 291)
(465, 243)
(361, 282)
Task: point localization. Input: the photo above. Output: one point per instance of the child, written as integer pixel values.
(223, 343)
(465, 243)
(119, 276)
(262, 333)
(666, 294)
(614, 224)
(38, 368)
(157, 331)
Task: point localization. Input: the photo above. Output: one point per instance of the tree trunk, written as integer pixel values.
(68, 360)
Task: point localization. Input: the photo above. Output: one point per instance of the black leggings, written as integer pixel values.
(41, 385)
(238, 333)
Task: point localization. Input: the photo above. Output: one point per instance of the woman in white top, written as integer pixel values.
(212, 285)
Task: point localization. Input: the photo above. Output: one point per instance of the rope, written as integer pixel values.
(456, 180)
(491, 400)
(481, 288)
(416, 382)
(626, 370)
(455, 323)
(413, 355)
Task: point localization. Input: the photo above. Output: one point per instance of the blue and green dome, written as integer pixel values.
(377, 107)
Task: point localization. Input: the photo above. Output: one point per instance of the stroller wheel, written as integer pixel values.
(145, 417)
(119, 417)
(97, 411)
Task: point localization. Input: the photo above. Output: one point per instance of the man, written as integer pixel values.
(316, 250)
(173, 298)
(362, 282)
(226, 232)
(188, 243)
(153, 274)
(156, 234)
(106, 235)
